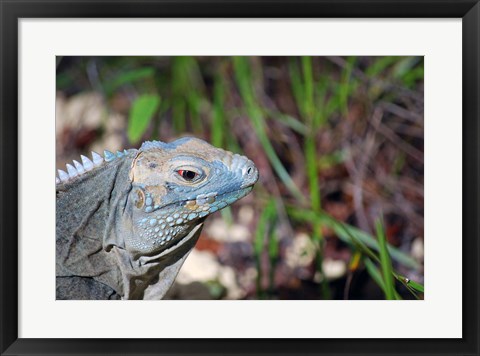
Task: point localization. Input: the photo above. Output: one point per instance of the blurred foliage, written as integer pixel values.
(338, 142)
(141, 113)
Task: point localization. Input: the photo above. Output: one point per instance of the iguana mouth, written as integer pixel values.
(212, 202)
(207, 199)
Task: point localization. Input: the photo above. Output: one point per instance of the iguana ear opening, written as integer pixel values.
(139, 198)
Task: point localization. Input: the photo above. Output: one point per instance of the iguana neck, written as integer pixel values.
(87, 208)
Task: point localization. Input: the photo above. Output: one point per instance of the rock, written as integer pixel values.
(219, 230)
(417, 250)
(333, 269)
(301, 252)
(203, 266)
(199, 266)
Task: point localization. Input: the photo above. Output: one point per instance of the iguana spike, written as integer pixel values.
(72, 172)
(87, 164)
(57, 180)
(125, 152)
(119, 154)
(79, 167)
(109, 156)
(63, 175)
(97, 159)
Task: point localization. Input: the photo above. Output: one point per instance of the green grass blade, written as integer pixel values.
(311, 164)
(296, 84)
(386, 263)
(360, 246)
(308, 99)
(227, 215)
(412, 286)
(415, 285)
(128, 77)
(218, 124)
(344, 232)
(404, 66)
(345, 86)
(266, 217)
(374, 272)
(289, 121)
(379, 65)
(182, 99)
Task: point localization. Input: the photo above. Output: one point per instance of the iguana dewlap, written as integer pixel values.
(126, 222)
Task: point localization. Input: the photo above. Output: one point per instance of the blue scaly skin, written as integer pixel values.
(127, 221)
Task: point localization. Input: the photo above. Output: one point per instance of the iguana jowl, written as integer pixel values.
(126, 222)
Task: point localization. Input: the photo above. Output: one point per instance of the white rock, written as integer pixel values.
(201, 266)
(219, 230)
(333, 269)
(301, 252)
(228, 280)
(238, 233)
(245, 214)
(417, 249)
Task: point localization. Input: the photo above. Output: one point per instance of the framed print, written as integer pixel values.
(239, 178)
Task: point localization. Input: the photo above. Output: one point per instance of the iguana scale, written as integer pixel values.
(125, 222)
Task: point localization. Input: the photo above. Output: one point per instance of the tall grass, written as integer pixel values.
(305, 97)
(255, 114)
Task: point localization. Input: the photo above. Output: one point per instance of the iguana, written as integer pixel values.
(126, 221)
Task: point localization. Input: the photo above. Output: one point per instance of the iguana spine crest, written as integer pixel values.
(87, 165)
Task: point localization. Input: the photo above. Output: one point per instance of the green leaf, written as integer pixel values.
(142, 111)
(386, 263)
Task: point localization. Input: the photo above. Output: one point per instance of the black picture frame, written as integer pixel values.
(12, 11)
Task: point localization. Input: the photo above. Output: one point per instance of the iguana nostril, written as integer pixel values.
(250, 174)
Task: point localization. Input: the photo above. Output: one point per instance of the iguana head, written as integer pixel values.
(176, 185)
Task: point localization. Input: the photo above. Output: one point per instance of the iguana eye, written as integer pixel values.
(187, 175)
